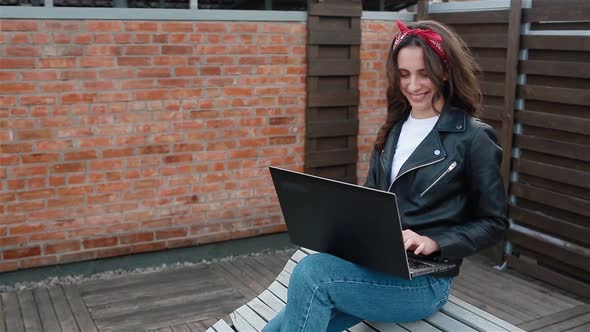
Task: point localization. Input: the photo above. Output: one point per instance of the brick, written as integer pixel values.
(27, 229)
(7, 76)
(37, 262)
(78, 75)
(104, 50)
(96, 61)
(37, 100)
(65, 202)
(40, 158)
(154, 149)
(68, 168)
(176, 49)
(187, 71)
(106, 165)
(19, 25)
(153, 72)
(152, 95)
(9, 160)
(18, 51)
(15, 184)
(47, 236)
(98, 85)
(77, 256)
(22, 252)
(8, 266)
(111, 187)
(114, 97)
(104, 26)
(170, 60)
(142, 50)
(62, 247)
(83, 38)
(36, 194)
(110, 252)
(57, 62)
(27, 171)
(71, 190)
(123, 38)
(171, 233)
(21, 38)
(176, 27)
(7, 197)
(17, 87)
(63, 26)
(78, 98)
(55, 145)
(116, 153)
(136, 237)
(138, 26)
(134, 61)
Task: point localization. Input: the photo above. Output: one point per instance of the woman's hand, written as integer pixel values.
(418, 243)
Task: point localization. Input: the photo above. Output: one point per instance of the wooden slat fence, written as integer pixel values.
(333, 47)
(551, 186)
(535, 70)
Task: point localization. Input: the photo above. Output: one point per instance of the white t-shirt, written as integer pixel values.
(413, 133)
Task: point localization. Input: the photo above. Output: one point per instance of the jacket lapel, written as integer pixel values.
(431, 150)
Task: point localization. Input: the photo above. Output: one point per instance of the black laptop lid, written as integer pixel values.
(355, 223)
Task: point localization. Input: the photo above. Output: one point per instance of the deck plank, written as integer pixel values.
(29, 311)
(569, 324)
(46, 312)
(2, 319)
(181, 328)
(232, 278)
(79, 309)
(14, 322)
(556, 318)
(62, 309)
(222, 326)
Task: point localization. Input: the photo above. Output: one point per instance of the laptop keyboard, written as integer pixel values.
(417, 265)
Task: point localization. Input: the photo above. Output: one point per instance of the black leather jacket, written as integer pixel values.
(450, 189)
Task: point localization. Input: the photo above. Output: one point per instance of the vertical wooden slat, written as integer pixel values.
(14, 322)
(46, 312)
(514, 22)
(332, 91)
(29, 311)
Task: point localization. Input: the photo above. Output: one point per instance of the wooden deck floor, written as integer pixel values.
(192, 298)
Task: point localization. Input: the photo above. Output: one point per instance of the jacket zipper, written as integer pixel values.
(451, 167)
(413, 168)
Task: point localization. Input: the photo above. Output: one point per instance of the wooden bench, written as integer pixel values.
(455, 316)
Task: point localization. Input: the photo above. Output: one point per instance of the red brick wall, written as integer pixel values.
(122, 137)
(375, 42)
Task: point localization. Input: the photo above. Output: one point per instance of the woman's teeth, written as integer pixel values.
(417, 96)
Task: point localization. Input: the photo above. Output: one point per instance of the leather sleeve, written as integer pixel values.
(371, 180)
(487, 224)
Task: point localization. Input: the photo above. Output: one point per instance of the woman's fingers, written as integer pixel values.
(420, 248)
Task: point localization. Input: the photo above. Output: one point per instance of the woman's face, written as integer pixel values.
(415, 84)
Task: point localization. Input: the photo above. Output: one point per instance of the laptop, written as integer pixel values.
(356, 223)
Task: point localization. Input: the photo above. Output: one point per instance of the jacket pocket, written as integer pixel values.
(449, 169)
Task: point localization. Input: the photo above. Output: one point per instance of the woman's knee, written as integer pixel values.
(313, 268)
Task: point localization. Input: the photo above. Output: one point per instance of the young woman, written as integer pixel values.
(444, 166)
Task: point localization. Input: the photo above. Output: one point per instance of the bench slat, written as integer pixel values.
(361, 327)
(262, 309)
(387, 327)
(469, 318)
(220, 326)
(298, 256)
(447, 323)
(481, 313)
(290, 266)
(279, 290)
(419, 326)
(251, 317)
(271, 300)
(284, 278)
(240, 323)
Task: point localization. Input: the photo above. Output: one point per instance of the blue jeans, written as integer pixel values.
(327, 293)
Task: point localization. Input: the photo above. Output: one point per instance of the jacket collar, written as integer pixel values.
(430, 150)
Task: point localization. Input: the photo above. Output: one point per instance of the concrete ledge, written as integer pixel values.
(130, 262)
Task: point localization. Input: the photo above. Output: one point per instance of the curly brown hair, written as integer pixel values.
(456, 79)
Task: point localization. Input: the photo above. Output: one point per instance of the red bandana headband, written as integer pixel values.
(432, 38)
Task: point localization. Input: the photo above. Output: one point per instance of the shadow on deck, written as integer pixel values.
(193, 298)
